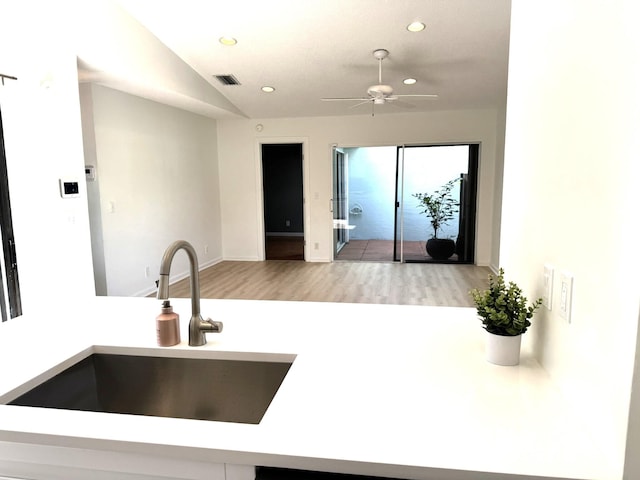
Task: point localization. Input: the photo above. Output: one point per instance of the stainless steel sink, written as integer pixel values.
(226, 390)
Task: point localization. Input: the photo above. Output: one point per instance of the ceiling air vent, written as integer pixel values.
(227, 79)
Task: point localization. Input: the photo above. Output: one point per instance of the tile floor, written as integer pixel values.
(380, 250)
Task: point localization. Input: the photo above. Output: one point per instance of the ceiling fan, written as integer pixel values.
(377, 94)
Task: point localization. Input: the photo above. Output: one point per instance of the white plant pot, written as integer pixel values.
(502, 350)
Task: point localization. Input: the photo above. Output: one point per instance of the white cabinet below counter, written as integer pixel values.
(37, 462)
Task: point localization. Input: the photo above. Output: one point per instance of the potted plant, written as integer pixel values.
(505, 316)
(440, 207)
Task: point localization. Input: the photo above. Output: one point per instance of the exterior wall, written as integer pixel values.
(372, 190)
(372, 184)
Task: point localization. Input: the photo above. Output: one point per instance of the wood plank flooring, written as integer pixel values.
(284, 248)
(350, 282)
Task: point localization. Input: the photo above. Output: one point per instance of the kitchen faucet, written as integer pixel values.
(197, 325)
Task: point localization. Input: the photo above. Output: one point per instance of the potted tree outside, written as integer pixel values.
(440, 207)
(505, 316)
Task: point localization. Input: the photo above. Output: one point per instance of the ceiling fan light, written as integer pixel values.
(416, 27)
(409, 81)
(380, 91)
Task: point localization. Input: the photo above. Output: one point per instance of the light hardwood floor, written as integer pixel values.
(349, 282)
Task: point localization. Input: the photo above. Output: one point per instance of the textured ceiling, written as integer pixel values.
(310, 49)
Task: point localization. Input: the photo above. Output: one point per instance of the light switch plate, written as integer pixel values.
(566, 294)
(547, 292)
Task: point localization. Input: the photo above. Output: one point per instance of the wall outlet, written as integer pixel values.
(566, 294)
(287, 223)
(547, 291)
(316, 246)
(146, 272)
(206, 249)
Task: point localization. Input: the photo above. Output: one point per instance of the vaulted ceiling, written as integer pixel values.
(311, 49)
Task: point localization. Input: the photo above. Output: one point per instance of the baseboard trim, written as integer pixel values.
(179, 276)
(241, 259)
(210, 263)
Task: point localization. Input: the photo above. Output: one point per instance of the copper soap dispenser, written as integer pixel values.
(168, 326)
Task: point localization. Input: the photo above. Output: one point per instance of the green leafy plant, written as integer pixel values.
(502, 308)
(440, 205)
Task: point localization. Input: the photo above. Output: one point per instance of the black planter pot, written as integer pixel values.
(441, 248)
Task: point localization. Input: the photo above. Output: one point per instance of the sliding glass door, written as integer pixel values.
(378, 204)
(435, 203)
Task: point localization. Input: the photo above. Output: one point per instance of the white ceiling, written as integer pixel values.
(310, 49)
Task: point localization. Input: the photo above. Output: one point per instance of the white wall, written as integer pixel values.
(427, 170)
(372, 187)
(571, 197)
(43, 143)
(497, 189)
(93, 189)
(239, 168)
(158, 181)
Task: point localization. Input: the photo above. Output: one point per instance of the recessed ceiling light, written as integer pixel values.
(409, 81)
(416, 27)
(268, 89)
(228, 41)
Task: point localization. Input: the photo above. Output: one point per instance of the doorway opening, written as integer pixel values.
(379, 217)
(10, 301)
(283, 197)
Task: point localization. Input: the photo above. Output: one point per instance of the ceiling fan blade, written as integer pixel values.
(351, 99)
(369, 100)
(423, 96)
(380, 94)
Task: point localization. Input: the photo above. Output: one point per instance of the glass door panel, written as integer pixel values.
(431, 172)
(398, 254)
(339, 202)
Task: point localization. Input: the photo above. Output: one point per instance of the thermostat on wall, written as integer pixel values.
(90, 173)
(69, 188)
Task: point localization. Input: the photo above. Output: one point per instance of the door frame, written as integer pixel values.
(9, 283)
(304, 141)
(339, 204)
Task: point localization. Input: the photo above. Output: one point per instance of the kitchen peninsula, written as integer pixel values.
(390, 391)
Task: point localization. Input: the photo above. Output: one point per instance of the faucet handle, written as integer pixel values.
(209, 325)
(198, 327)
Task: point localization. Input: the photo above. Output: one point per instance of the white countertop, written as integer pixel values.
(398, 391)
